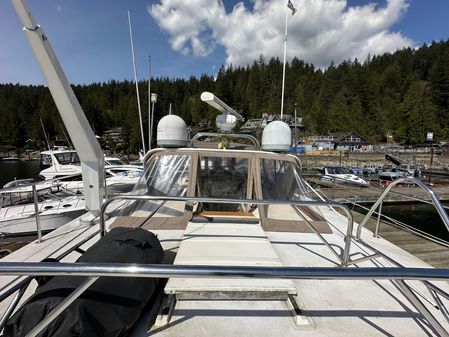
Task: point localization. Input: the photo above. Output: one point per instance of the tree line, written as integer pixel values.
(405, 93)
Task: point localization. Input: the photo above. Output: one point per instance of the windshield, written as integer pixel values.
(280, 179)
(67, 158)
(337, 170)
(166, 175)
(223, 177)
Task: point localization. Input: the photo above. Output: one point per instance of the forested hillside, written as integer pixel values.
(406, 92)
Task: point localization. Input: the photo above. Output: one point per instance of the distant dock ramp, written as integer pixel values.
(394, 158)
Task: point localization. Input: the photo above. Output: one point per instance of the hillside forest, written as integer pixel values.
(405, 93)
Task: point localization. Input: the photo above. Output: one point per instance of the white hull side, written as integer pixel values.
(48, 222)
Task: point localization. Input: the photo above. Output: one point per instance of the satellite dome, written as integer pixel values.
(277, 137)
(172, 132)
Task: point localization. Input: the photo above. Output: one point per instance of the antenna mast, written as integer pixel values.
(135, 80)
(150, 136)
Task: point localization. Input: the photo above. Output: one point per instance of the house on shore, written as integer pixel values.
(342, 141)
(350, 141)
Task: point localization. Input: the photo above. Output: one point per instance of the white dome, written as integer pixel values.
(276, 136)
(172, 132)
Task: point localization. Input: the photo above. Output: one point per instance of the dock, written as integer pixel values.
(369, 195)
(437, 255)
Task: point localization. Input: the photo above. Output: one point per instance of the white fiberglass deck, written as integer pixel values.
(227, 244)
(328, 307)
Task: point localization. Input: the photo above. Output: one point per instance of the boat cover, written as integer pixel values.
(110, 306)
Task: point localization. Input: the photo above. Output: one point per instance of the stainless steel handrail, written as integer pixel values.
(12, 306)
(61, 307)
(408, 196)
(435, 291)
(230, 135)
(347, 238)
(436, 202)
(38, 220)
(196, 271)
(401, 225)
(95, 270)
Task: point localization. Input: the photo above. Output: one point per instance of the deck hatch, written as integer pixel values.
(228, 243)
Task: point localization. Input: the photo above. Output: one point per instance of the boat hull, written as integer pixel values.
(28, 225)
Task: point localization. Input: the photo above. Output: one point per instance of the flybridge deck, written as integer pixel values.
(215, 232)
(311, 257)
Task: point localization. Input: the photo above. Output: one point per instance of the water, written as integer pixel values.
(420, 216)
(10, 170)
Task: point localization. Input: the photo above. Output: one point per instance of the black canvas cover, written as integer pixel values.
(110, 306)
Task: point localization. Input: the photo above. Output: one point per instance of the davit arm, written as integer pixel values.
(83, 138)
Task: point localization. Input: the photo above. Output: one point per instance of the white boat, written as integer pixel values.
(409, 169)
(64, 164)
(114, 162)
(341, 175)
(59, 163)
(369, 169)
(55, 206)
(250, 250)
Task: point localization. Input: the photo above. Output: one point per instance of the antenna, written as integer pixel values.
(218, 104)
(227, 120)
(135, 80)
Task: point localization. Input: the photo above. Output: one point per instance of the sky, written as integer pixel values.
(194, 37)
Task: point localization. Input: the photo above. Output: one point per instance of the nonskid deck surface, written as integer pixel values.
(328, 308)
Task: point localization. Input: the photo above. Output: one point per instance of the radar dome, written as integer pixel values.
(172, 132)
(277, 137)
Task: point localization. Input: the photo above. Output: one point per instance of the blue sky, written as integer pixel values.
(92, 43)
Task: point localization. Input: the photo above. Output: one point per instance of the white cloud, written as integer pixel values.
(320, 32)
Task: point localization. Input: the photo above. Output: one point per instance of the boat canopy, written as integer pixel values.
(219, 174)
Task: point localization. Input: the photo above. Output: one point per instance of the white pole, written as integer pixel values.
(150, 136)
(169, 110)
(296, 134)
(137, 84)
(285, 56)
(152, 118)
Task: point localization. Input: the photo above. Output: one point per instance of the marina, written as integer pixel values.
(216, 232)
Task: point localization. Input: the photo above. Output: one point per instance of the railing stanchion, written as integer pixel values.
(376, 230)
(347, 239)
(36, 210)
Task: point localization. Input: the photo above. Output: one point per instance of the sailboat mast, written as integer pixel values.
(135, 80)
(45, 135)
